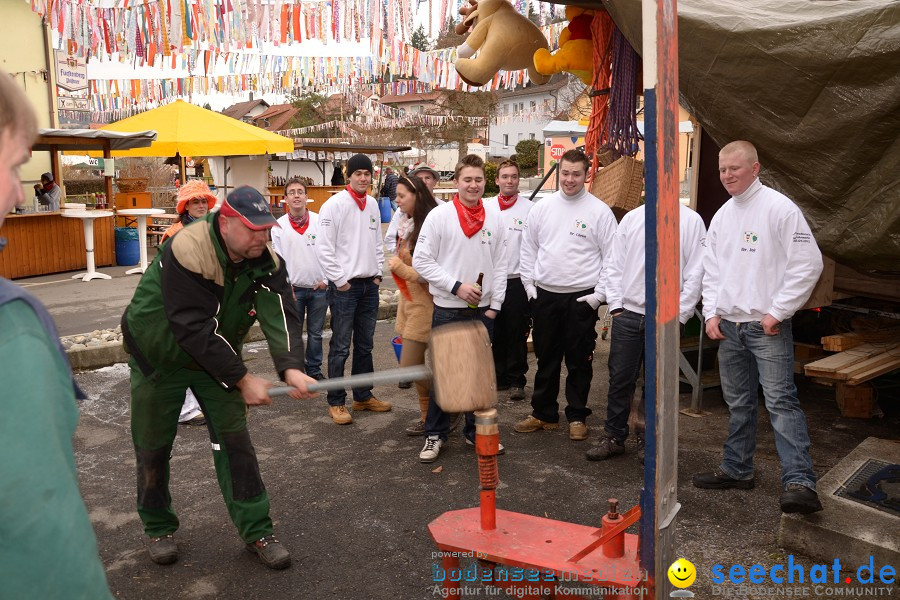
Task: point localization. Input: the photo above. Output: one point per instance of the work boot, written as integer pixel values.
(198, 420)
(605, 448)
(516, 393)
(340, 415)
(639, 442)
(431, 450)
(578, 431)
(717, 480)
(271, 552)
(417, 428)
(373, 404)
(530, 423)
(163, 550)
(797, 498)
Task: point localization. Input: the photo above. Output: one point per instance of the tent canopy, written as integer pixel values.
(816, 87)
(189, 130)
(90, 139)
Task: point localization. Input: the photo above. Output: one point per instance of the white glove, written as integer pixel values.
(531, 292)
(592, 300)
(465, 51)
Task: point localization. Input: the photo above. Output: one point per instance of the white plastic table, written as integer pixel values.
(87, 218)
(141, 214)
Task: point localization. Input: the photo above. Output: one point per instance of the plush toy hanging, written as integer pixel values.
(575, 48)
(503, 39)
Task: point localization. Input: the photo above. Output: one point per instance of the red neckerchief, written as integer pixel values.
(360, 198)
(506, 201)
(470, 219)
(299, 225)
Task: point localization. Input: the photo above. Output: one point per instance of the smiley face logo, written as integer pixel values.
(682, 573)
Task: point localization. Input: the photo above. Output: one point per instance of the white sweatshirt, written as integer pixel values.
(566, 242)
(299, 251)
(390, 238)
(444, 255)
(349, 243)
(513, 219)
(625, 271)
(761, 257)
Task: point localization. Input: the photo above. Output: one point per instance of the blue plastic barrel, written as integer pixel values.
(128, 249)
(385, 206)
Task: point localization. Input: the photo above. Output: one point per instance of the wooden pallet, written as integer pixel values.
(857, 365)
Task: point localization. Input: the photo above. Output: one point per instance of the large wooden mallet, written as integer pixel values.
(462, 370)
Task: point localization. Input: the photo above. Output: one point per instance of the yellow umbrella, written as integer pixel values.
(188, 130)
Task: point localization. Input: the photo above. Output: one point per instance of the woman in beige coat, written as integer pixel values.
(416, 307)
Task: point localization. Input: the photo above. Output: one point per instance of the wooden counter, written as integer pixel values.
(42, 243)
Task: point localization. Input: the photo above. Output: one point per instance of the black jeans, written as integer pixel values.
(626, 355)
(437, 422)
(510, 345)
(563, 328)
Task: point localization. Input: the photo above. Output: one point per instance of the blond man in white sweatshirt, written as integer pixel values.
(568, 236)
(761, 265)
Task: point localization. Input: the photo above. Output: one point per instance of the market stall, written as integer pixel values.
(45, 242)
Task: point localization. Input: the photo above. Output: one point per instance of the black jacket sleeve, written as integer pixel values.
(191, 305)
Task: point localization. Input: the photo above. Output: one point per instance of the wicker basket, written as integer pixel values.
(620, 184)
(130, 185)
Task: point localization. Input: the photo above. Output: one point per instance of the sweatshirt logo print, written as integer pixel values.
(750, 237)
(580, 225)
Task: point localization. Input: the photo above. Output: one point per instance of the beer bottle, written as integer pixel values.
(478, 283)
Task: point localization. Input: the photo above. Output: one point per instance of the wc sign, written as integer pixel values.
(556, 151)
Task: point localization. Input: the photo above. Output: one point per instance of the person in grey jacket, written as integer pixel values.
(48, 192)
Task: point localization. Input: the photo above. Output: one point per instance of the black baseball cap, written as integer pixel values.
(250, 207)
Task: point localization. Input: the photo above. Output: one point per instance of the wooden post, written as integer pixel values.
(659, 505)
(107, 180)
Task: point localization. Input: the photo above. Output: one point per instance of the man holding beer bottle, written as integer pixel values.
(461, 253)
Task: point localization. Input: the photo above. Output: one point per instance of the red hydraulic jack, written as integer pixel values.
(543, 558)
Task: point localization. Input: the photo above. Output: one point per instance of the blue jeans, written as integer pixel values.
(626, 355)
(774, 358)
(437, 422)
(353, 316)
(311, 307)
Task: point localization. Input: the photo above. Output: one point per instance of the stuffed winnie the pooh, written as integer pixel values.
(575, 53)
(503, 38)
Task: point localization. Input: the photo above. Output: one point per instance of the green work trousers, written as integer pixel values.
(155, 405)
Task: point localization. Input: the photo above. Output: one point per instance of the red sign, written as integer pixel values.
(556, 151)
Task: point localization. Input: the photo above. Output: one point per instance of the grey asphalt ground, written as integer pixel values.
(353, 502)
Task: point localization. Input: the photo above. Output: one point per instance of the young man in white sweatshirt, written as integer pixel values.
(351, 253)
(626, 297)
(761, 265)
(461, 242)
(567, 239)
(511, 328)
(295, 242)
